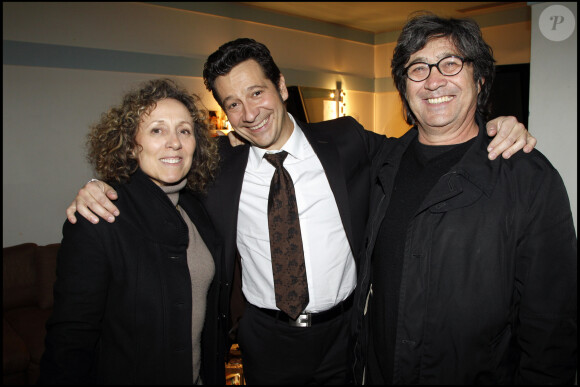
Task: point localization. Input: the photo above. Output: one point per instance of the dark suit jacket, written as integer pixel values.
(122, 312)
(345, 150)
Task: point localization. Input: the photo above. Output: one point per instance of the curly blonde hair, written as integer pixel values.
(111, 142)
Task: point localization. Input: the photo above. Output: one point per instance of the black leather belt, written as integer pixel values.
(308, 319)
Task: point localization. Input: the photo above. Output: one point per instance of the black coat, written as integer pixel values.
(122, 311)
(488, 287)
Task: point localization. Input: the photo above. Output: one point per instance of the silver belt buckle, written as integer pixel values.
(302, 321)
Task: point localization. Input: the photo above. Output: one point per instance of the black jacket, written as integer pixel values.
(488, 287)
(122, 311)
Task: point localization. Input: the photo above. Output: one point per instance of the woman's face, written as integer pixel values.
(167, 142)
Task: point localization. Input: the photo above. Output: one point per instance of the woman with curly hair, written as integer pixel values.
(136, 301)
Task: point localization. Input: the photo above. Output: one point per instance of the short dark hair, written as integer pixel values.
(465, 35)
(233, 53)
(111, 142)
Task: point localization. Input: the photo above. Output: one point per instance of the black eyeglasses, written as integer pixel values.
(448, 66)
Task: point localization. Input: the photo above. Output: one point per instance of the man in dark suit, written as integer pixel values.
(329, 165)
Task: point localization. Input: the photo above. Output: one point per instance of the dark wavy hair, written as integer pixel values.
(465, 35)
(111, 142)
(231, 54)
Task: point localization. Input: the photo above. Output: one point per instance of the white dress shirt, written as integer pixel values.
(330, 267)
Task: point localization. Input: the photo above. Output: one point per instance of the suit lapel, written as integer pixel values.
(327, 153)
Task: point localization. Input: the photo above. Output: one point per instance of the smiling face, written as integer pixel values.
(444, 106)
(255, 106)
(166, 142)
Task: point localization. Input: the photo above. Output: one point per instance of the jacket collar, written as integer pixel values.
(471, 177)
(475, 166)
(152, 213)
(474, 175)
(390, 159)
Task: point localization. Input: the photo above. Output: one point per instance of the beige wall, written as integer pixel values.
(510, 43)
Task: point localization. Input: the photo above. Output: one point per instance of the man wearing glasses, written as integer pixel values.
(469, 274)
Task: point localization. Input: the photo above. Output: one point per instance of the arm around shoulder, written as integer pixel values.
(95, 196)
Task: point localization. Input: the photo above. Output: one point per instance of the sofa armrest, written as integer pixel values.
(19, 276)
(15, 355)
(46, 274)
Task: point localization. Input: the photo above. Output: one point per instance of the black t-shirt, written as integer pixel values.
(421, 167)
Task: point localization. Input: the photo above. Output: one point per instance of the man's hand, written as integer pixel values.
(511, 137)
(94, 196)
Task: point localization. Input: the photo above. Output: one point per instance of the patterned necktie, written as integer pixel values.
(290, 284)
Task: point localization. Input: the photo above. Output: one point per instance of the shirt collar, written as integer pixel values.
(295, 146)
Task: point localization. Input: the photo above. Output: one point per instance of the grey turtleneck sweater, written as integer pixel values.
(201, 271)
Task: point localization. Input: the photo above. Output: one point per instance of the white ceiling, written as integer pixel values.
(380, 16)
